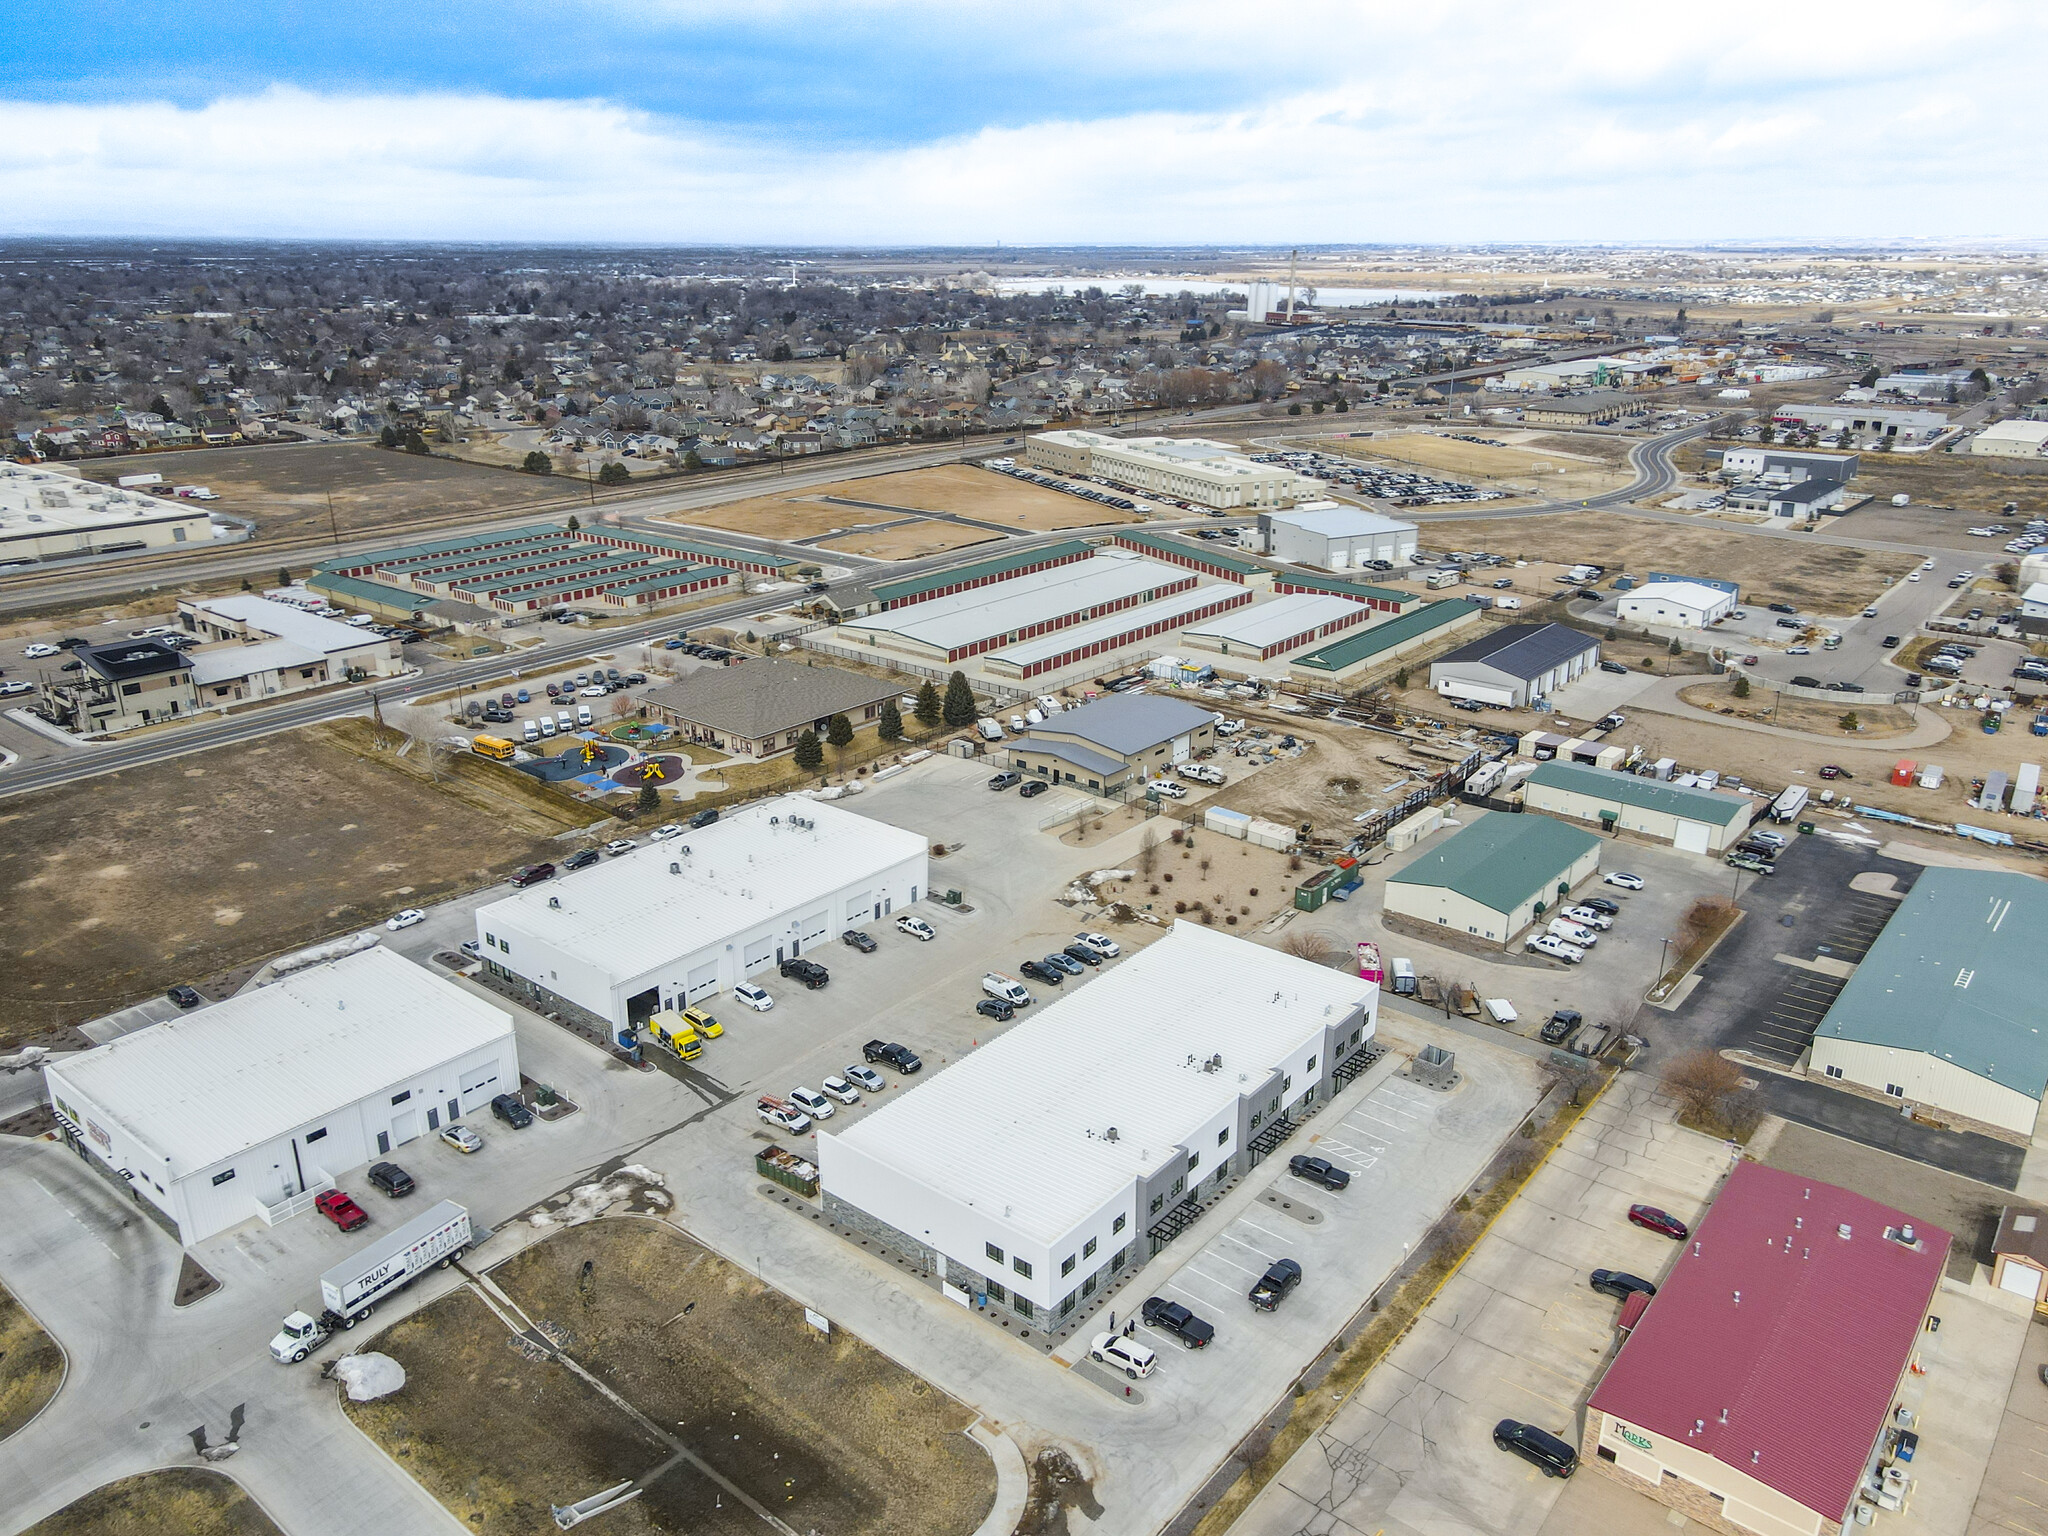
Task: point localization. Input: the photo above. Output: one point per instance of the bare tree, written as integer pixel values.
(1569, 1075)
(1307, 944)
(1148, 852)
(1702, 1081)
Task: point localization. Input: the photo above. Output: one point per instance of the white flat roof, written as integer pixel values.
(1016, 1127)
(2034, 432)
(1686, 594)
(239, 1073)
(630, 914)
(44, 501)
(1341, 522)
(961, 618)
(236, 659)
(1025, 652)
(1265, 624)
(322, 636)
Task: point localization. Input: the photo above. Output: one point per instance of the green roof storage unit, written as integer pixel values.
(1492, 879)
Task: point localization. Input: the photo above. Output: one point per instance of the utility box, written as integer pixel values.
(1435, 1067)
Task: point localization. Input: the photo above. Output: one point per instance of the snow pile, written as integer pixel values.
(369, 1377)
(638, 1187)
(1102, 876)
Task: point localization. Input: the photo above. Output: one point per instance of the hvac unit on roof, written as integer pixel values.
(555, 902)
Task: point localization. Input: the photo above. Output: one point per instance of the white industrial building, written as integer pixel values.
(1119, 632)
(1675, 604)
(255, 647)
(1192, 469)
(2012, 440)
(220, 1115)
(1896, 422)
(1334, 537)
(1277, 627)
(1037, 1167)
(675, 921)
(1515, 664)
(46, 515)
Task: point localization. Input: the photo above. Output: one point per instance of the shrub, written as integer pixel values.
(1180, 906)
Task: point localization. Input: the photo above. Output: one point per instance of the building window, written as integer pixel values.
(1022, 1266)
(222, 1178)
(1123, 1256)
(1604, 1452)
(1312, 1063)
(1157, 1202)
(1087, 1250)
(1223, 1137)
(1021, 1306)
(1895, 1090)
(1067, 1265)
(1194, 1161)
(1117, 1225)
(1179, 1185)
(993, 1251)
(1286, 1086)
(1066, 1303)
(997, 1292)
(1834, 1071)
(313, 1136)
(400, 1098)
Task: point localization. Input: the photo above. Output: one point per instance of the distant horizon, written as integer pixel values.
(911, 124)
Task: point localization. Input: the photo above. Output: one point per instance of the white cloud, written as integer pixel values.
(1393, 122)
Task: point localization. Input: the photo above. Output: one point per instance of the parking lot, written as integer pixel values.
(1516, 1333)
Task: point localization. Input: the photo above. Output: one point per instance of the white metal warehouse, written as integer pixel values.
(1273, 628)
(675, 921)
(1034, 1169)
(227, 1113)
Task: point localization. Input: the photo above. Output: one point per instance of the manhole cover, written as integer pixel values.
(1785, 921)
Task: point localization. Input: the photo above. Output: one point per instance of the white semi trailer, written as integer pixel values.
(351, 1290)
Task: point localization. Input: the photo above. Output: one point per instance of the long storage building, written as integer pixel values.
(225, 1114)
(1037, 1168)
(1691, 820)
(675, 921)
(1494, 878)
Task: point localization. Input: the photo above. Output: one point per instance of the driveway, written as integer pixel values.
(1516, 1333)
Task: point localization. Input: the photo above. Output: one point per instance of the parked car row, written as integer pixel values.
(1577, 928)
(1006, 994)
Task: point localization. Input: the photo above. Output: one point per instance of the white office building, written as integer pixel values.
(1675, 604)
(1036, 1168)
(1335, 537)
(676, 921)
(1192, 469)
(228, 1113)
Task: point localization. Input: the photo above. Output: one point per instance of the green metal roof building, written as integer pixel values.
(1945, 1010)
(1692, 820)
(1349, 660)
(1495, 877)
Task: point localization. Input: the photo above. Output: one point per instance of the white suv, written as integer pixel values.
(816, 1105)
(1557, 949)
(1126, 1355)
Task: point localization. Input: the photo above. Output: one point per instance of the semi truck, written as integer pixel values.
(1789, 803)
(351, 1290)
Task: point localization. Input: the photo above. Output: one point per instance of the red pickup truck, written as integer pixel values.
(339, 1209)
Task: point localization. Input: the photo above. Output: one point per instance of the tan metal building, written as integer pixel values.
(1494, 878)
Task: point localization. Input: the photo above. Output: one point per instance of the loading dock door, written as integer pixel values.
(641, 1006)
(813, 925)
(703, 979)
(1692, 837)
(1180, 749)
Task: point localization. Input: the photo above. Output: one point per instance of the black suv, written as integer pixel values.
(996, 1008)
(1282, 1276)
(1561, 1025)
(809, 972)
(1318, 1170)
(506, 1107)
(853, 938)
(1038, 971)
(1619, 1284)
(1171, 1317)
(703, 818)
(391, 1178)
(1541, 1449)
(184, 996)
(1087, 957)
(1781, 607)
(582, 858)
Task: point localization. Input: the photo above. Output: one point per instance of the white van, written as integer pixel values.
(1572, 933)
(546, 724)
(564, 721)
(1403, 976)
(584, 716)
(532, 731)
(1005, 990)
(1507, 602)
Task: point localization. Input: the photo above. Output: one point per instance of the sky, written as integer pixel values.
(907, 122)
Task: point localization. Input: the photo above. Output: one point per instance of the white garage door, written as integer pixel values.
(759, 952)
(1180, 749)
(1454, 688)
(702, 979)
(1340, 557)
(2021, 1281)
(1692, 837)
(858, 907)
(812, 925)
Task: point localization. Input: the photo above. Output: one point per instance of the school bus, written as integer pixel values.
(495, 747)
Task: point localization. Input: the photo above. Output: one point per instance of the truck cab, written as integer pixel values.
(299, 1336)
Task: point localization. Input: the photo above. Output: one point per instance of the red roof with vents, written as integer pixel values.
(1792, 1382)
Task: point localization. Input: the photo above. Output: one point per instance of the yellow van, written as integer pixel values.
(670, 1031)
(701, 1020)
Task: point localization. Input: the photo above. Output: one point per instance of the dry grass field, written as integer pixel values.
(822, 1430)
(288, 489)
(122, 885)
(1817, 578)
(187, 1501)
(909, 541)
(1555, 475)
(31, 1366)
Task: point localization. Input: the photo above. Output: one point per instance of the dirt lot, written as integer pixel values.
(1878, 721)
(31, 1366)
(125, 884)
(824, 1431)
(956, 488)
(189, 1501)
(287, 489)
(910, 541)
(1820, 578)
(1347, 773)
(1556, 476)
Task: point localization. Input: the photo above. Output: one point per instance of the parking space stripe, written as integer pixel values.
(1284, 1241)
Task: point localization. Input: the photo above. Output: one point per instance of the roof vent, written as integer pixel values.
(674, 868)
(774, 821)
(1906, 1234)
(686, 850)
(555, 902)
(1843, 1231)
(1110, 1134)
(1755, 1457)
(1724, 1415)
(1738, 1298)
(1698, 1425)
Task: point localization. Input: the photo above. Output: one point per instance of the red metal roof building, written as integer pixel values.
(1755, 1392)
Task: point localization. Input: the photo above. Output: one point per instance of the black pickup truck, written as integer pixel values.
(901, 1057)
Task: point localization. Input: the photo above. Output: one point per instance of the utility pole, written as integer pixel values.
(333, 527)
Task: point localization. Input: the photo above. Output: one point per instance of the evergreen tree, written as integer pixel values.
(809, 755)
(959, 707)
(614, 474)
(889, 726)
(650, 799)
(537, 463)
(928, 711)
(839, 732)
